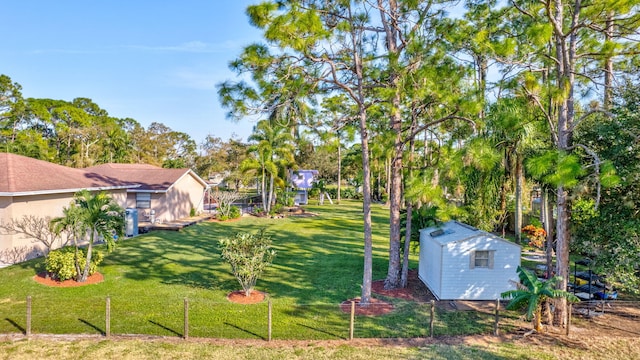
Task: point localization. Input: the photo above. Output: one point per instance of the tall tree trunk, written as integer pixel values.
(271, 190)
(389, 22)
(546, 212)
(339, 170)
(404, 273)
(608, 66)
(365, 297)
(263, 191)
(518, 200)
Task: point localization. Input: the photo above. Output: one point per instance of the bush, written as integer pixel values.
(61, 264)
(287, 198)
(249, 255)
(234, 212)
(276, 209)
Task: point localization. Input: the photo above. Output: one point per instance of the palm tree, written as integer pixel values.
(515, 131)
(534, 292)
(96, 216)
(70, 224)
(271, 152)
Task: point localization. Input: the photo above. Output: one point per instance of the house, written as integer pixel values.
(302, 181)
(42, 189)
(460, 262)
(160, 194)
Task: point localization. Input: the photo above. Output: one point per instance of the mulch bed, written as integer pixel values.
(415, 291)
(239, 297)
(44, 279)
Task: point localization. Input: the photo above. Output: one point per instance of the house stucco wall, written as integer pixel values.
(175, 203)
(47, 205)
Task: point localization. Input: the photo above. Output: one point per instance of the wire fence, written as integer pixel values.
(206, 318)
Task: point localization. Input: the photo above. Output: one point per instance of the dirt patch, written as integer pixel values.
(375, 307)
(44, 279)
(239, 297)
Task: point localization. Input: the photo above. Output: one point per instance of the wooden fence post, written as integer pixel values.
(107, 318)
(496, 330)
(431, 318)
(186, 319)
(28, 327)
(352, 320)
(269, 318)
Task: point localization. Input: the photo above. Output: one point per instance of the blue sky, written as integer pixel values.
(150, 60)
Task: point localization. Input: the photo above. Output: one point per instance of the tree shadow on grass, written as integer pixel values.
(15, 324)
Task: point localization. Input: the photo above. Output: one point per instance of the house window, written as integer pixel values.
(143, 200)
(481, 259)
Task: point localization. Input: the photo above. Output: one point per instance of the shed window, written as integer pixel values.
(481, 259)
(143, 200)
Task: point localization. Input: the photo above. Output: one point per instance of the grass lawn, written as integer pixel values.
(318, 265)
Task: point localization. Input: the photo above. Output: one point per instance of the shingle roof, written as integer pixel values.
(22, 175)
(149, 177)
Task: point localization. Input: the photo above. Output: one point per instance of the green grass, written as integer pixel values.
(318, 265)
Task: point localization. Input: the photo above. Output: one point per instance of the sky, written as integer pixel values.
(150, 60)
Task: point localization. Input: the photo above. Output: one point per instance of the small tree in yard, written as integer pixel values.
(91, 217)
(225, 200)
(534, 293)
(248, 254)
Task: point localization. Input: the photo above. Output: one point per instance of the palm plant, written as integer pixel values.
(70, 224)
(533, 293)
(271, 151)
(95, 216)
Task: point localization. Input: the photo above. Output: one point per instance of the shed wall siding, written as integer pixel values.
(461, 282)
(429, 263)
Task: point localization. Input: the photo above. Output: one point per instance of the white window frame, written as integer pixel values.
(481, 259)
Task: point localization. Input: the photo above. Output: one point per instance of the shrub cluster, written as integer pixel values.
(61, 265)
(346, 193)
(234, 213)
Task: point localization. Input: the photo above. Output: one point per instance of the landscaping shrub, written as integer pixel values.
(276, 209)
(234, 212)
(345, 193)
(61, 264)
(249, 255)
(287, 198)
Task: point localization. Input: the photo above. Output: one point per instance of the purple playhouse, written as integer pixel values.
(302, 181)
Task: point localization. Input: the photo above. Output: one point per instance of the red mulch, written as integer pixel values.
(239, 297)
(43, 279)
(415, 291)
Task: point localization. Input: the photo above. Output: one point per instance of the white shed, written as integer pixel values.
(460, 262)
